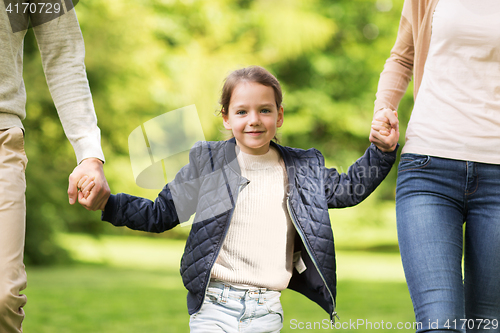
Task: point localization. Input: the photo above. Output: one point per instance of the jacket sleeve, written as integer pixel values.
(362, 178)
(398, 69)
(174, 204)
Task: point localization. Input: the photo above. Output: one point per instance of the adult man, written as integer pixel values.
(61, 46)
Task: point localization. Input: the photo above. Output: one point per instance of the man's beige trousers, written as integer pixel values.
(12, 229)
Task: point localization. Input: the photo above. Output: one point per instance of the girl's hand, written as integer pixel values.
(385, 130)
(91, 167)
(85, 186)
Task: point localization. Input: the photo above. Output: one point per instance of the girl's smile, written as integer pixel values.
(256, 133)
(253, 117)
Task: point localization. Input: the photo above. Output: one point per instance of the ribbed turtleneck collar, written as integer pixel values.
(258, 162)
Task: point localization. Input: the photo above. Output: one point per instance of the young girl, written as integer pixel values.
(261, 222)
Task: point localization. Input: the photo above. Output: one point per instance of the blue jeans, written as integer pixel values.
(434, 198)
(228, 309)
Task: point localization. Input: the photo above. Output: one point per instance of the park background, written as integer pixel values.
(147, 57)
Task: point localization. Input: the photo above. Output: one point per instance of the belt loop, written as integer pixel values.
(261, 296)
(225, 293)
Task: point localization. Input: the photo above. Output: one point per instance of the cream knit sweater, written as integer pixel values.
(258, 247)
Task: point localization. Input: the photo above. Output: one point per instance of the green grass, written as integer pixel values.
(104, 299)
(119, 291)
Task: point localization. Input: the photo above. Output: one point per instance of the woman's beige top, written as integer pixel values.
(457, 78)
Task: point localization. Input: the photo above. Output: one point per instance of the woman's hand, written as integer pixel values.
(385, 130)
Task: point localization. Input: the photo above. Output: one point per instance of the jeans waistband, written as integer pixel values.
(226, 290)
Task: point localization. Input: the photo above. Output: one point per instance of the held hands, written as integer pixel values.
(85, 185)
(385, 130)
(88, 185)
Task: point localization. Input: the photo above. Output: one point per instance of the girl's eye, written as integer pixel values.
(265, 111)
(241, 112)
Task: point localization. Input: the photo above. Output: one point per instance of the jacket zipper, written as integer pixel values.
(292, 217)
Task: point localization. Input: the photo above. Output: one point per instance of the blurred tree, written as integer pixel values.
(145, 58)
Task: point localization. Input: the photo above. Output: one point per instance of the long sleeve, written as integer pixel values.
(63, 52)
(175, 203)
(142, 214)
(409, 54)
(398, 69)
(362, 178)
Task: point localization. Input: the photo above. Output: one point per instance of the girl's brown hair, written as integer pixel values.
(249, 74)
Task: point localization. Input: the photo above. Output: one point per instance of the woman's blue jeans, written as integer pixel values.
(434, 198)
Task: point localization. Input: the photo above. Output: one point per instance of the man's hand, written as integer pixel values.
(385, 130)
(99, 194)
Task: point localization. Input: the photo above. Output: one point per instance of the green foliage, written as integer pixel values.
(145, 58)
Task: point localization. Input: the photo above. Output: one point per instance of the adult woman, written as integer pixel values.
(449, 172)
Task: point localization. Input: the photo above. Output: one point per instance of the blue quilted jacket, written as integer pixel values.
(209, 186)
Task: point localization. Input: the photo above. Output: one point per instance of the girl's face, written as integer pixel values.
(253, 117)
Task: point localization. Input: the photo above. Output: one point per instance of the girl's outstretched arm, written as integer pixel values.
(174, 204)
(140, 213)
(360, 180)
